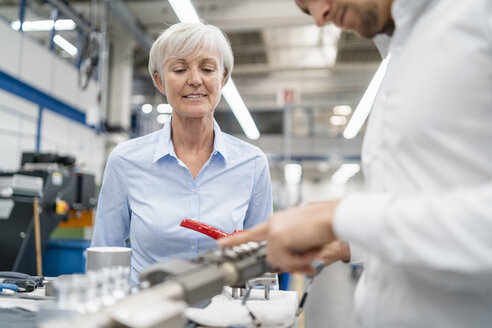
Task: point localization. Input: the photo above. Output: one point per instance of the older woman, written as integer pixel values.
(189, 169)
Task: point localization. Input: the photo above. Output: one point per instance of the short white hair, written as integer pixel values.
(182, 39)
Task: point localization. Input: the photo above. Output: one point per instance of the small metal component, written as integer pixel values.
(246, 248)
(235, 293)
(230, 254)
(238, 250)
(253, 245)
(266, 280)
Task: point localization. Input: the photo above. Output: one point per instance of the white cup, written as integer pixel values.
(106, 257)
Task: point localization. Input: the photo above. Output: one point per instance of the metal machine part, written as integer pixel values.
(170, 284)
(50, 178)
(266, 280)
(205, 275)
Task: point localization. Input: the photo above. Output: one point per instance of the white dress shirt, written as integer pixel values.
(147, 191)
(426, 217)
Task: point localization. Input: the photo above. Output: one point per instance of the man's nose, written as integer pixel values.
(321, 14)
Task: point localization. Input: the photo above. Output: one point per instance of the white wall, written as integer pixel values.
(18, 120)
(65, 137)
(34, 64)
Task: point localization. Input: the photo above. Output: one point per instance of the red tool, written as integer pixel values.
(210, 231)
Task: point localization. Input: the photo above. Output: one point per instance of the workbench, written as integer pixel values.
(25, 310)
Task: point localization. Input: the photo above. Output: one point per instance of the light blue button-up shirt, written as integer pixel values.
(147, 191)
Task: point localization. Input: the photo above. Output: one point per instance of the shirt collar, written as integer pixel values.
(219, 143)
(165, 145)
(407, 10)
(404, 12)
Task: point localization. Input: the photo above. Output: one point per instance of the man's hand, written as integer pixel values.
(337, 250)
(295, 237)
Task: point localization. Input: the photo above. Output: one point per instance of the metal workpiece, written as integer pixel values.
(251, 266)
(159, 306)
(231, 274)
(160, 272)
(230, 254)
(167, 288)
(199, 281)
(203, 284)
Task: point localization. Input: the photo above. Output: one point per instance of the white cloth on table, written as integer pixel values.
(224, 311)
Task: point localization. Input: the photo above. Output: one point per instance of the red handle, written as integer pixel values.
(210, 231)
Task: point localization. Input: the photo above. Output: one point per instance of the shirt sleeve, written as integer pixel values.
(357, 254)
(113, 215)
(440, 231)
(261, 204)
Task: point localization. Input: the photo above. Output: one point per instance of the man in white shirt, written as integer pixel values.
(426, 217)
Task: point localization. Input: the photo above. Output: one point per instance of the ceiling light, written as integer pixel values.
(239, 109)
(163, 118)
(338, 120)
(164, 109)
(342, 110)
(45, 25)
(344, 173)
(147, 108)
(65, 45)
(366, 102)
(186, 13)
(293, 173)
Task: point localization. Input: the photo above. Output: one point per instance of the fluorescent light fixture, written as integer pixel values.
(65, 45)
(342, 110)
(162, 118)
(186, 13)
(164, 109)
(293, 173)
(344, 173)
(338, 120)
(239, 109)
(147, 108)
(366, 102)
(45, 25)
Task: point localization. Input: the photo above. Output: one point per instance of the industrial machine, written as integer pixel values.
(168, 287)
(49, 181)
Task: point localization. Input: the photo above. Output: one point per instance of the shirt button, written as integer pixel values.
(193, 247)
(193, 190)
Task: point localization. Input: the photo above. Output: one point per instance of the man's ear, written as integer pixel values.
(159, 83)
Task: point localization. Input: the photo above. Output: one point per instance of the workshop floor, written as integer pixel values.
(329, 303)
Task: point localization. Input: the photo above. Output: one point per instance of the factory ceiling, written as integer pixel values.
(277, 49)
